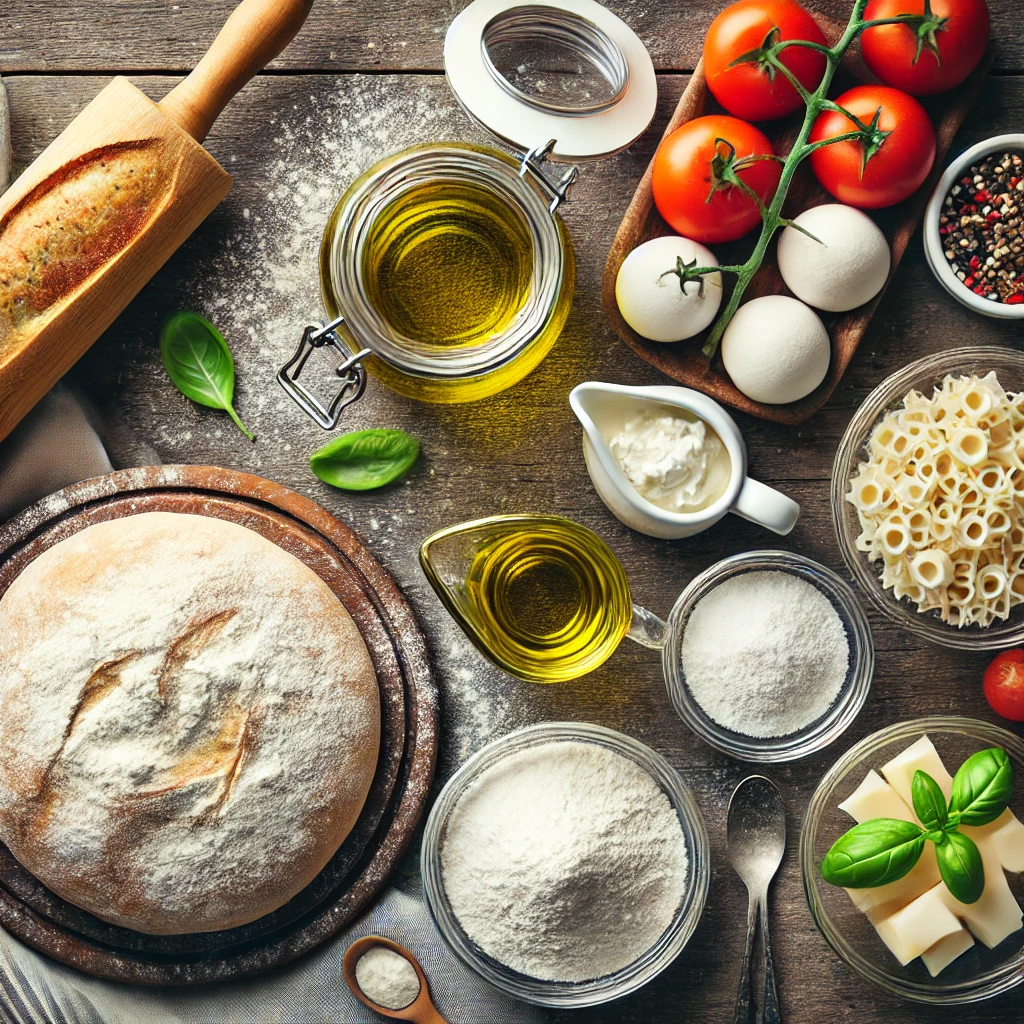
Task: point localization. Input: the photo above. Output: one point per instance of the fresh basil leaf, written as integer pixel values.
(873, 853)
(199, 363)
(982, 787)
(365, 459)
(929, 803)
(961, 867)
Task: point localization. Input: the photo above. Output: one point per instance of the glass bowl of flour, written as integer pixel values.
(567, 864)
(768, 656)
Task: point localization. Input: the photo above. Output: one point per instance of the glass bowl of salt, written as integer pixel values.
(768, 656)
(644, 865)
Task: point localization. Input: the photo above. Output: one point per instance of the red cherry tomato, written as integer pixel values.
(689, 190)
(903, 157)
(952, 44)
(1004, 684)
(753, 89)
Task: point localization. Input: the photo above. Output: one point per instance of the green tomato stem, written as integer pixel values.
(771, 217)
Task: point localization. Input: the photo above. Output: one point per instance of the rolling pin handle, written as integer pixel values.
(255, 33)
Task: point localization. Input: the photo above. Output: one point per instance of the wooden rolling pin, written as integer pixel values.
(110, 199)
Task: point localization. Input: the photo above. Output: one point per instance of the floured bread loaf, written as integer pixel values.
(189, 722)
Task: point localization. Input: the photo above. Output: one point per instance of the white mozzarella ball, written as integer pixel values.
(843, 266)
(650, 298)
(776, 349)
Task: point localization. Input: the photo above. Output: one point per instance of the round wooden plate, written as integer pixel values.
(405, 768)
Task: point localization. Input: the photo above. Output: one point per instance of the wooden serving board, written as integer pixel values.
(684, 361)
(405, 768)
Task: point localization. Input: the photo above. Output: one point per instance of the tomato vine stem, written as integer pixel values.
(815, 102)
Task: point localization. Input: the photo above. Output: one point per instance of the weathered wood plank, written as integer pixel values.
(341, 35)
(252, 269)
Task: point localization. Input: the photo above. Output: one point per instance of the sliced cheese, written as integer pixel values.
(997, 914)
(875, 798)
(1006, 837)
(921, 877)
(918, 926)
(946, 950)
(919, 756)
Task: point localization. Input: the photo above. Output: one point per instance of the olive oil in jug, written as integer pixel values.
(541, 596)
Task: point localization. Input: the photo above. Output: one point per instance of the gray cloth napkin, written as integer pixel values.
(58, 444)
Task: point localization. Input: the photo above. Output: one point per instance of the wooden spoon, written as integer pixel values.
(420, 1011)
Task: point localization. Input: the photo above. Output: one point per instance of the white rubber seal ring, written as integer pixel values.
(588, 137)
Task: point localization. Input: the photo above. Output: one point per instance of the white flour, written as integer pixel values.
(387, 978)
(565, 861)
(765, 654)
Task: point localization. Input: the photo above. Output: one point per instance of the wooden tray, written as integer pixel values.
(684, 361)
(409, 708)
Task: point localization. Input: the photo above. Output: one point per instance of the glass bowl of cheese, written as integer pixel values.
(911, 937)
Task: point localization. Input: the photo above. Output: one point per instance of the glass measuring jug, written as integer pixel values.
(545, 599)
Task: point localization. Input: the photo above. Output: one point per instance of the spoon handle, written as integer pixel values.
(744, 1000)
(770, 1013)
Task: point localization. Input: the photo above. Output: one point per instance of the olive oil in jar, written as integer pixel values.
(448, 264)
(541, 596)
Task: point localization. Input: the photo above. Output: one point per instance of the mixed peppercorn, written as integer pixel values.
(981, 228)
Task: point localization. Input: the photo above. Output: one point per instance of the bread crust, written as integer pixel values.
(191, 722)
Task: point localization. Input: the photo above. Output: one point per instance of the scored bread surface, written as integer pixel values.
(189, 722)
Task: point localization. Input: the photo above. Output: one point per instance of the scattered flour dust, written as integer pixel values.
(260, 283)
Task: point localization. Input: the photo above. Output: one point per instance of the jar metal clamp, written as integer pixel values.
(537, 128)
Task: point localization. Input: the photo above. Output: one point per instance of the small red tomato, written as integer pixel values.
(753, 88)
(931, 57)
(1004, 684)
(893, 166)
(690, 190)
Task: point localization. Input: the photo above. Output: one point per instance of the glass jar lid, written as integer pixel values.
(617, 93)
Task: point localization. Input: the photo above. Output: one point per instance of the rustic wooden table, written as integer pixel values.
(364, 79)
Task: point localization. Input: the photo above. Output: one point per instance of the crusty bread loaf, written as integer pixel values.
(190, 724)
(72, 223)
(85, 227)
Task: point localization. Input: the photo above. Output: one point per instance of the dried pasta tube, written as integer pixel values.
(973, 531)
(914, 591)
(894, 536)
(969, 496)
(991, 582)
(868, 494)
(991, 477)
(932, 568)
(969, 446)
(913, 490)
(997, 520)
(976, 400)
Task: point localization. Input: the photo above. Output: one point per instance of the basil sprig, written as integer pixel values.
(884, 850)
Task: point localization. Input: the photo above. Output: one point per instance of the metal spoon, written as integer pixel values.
(757, 840)
(420, 1011)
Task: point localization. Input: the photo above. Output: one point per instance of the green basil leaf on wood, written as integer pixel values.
(982, 787)
(961, 867)
(873, 853)
(365, 459)
(929, 803)
(199, 363)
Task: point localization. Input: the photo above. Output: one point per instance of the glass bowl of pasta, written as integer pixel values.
(928, 498)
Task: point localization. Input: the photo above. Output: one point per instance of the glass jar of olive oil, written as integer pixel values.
(451, 268)
(445, 268)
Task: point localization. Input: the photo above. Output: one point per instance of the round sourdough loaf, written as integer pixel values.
(190, 722)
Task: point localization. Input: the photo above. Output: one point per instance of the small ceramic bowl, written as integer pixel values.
(603, 409)
(611, 986)
(933, 245)
(979, 973)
